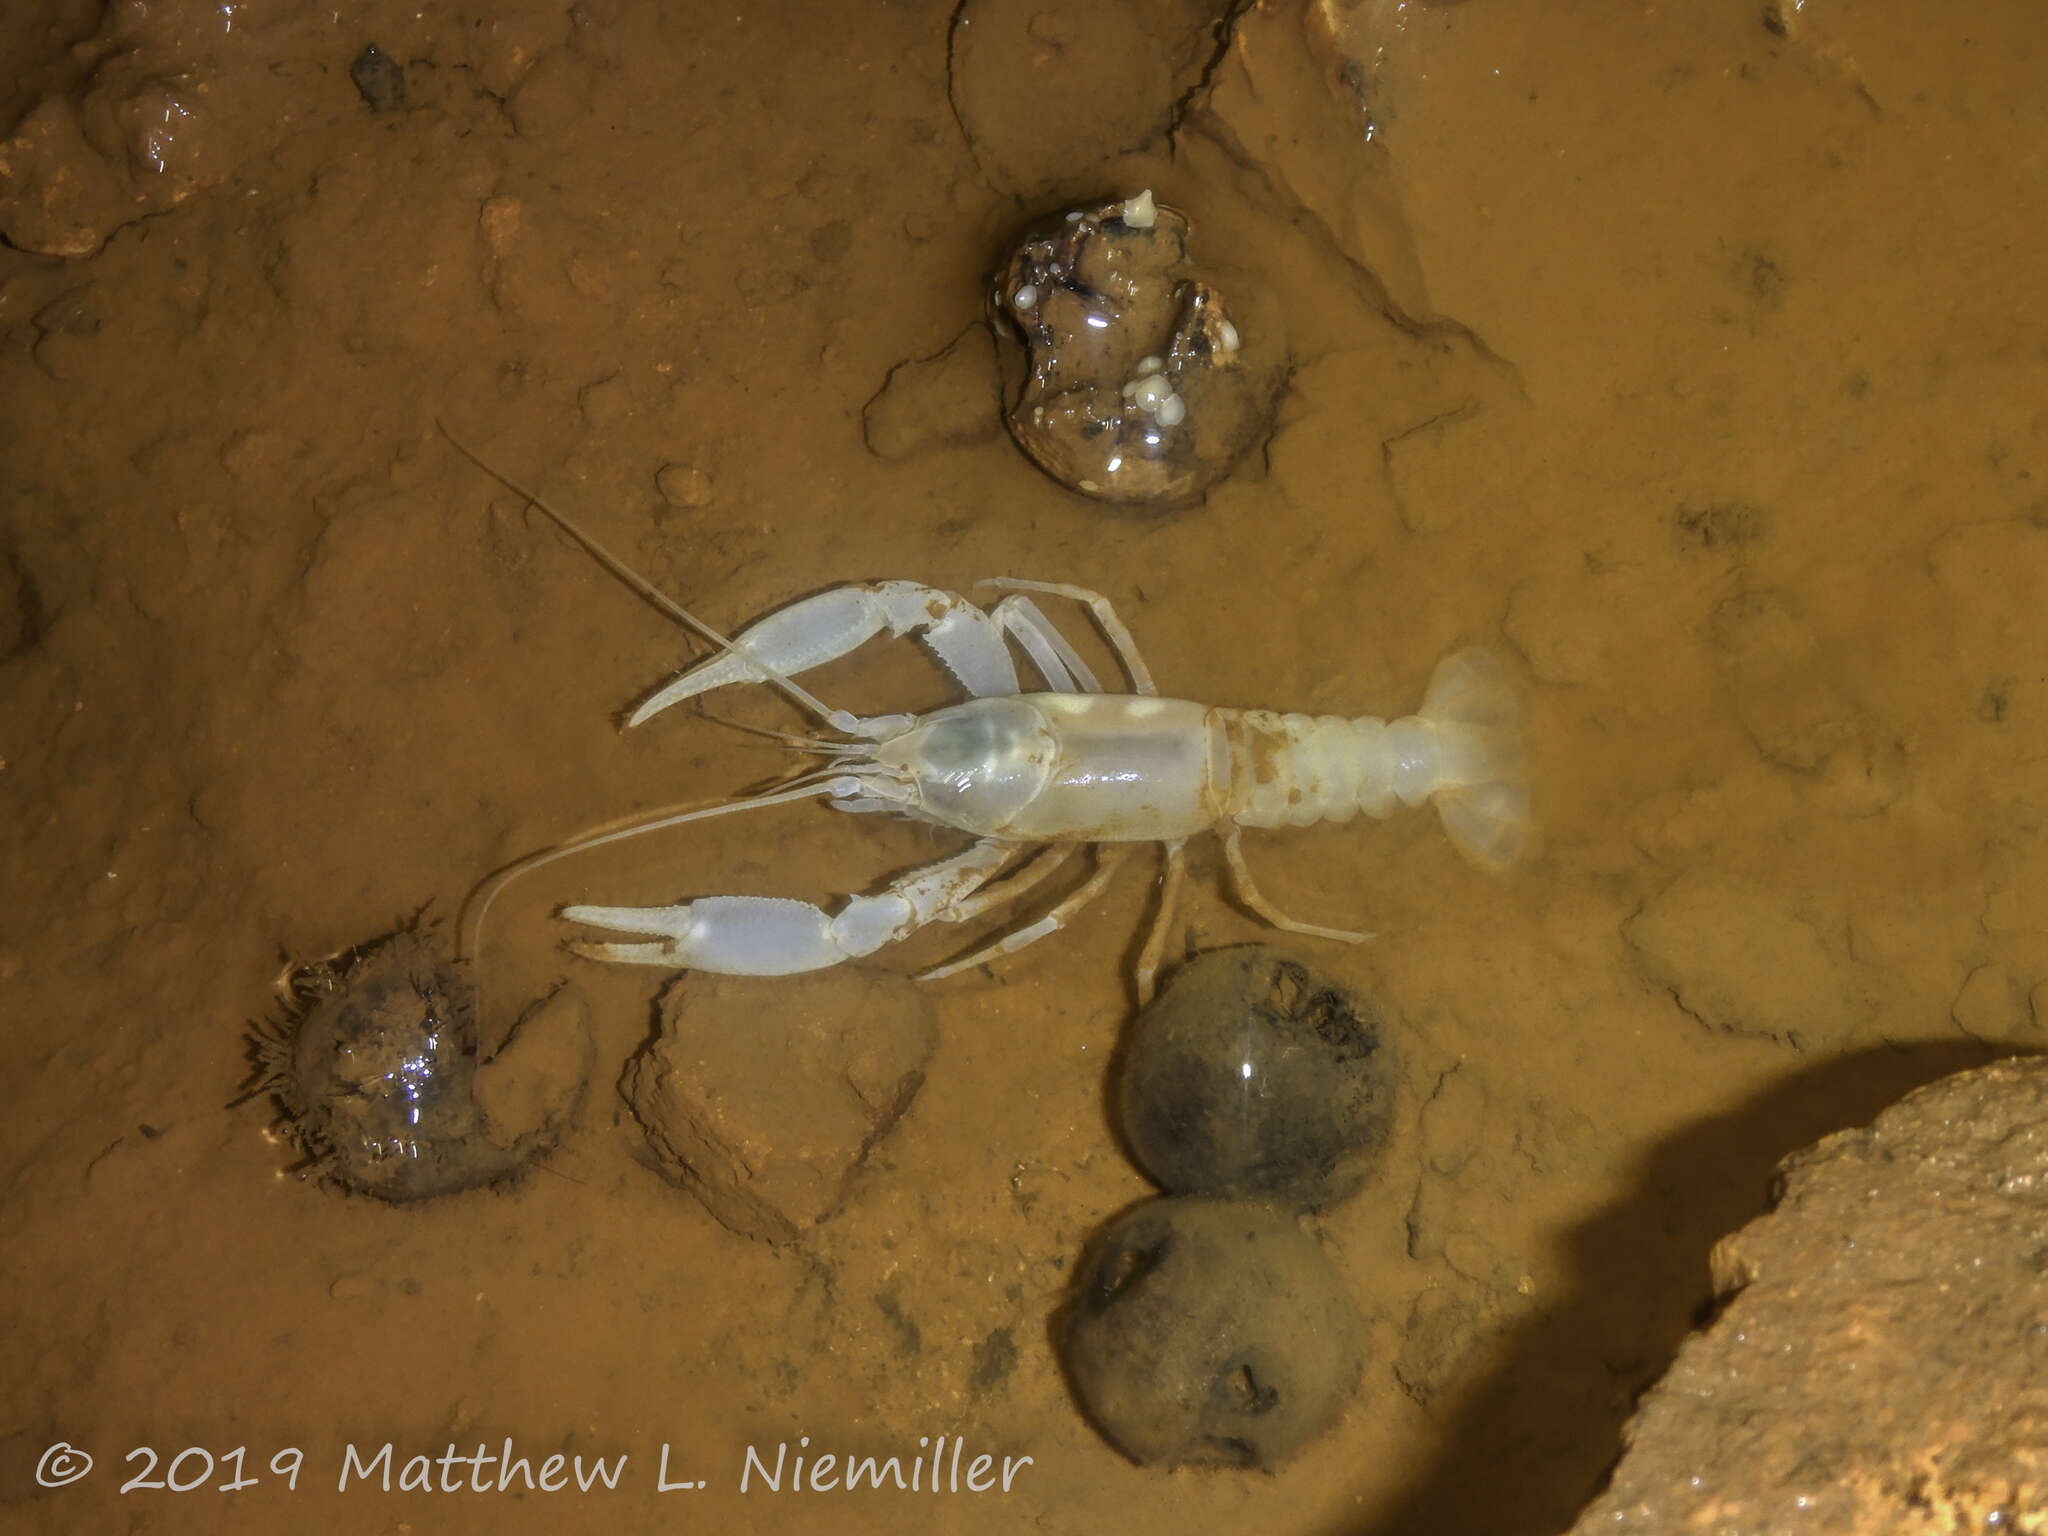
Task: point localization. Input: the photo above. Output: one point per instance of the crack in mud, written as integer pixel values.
(1223, 30)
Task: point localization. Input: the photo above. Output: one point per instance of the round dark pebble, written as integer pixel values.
(1211, 1332)
(1251, 1074)
(379, 79)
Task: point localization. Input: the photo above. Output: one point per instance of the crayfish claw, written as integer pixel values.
(733, 935)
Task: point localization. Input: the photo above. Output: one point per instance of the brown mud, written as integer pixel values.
(1693, 355)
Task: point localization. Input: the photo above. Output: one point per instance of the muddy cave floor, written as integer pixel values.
(1690, 356)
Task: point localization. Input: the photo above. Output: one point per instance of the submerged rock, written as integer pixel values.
(376, 1074)
(1254, 1074)
(1142, 381)
(1876, 1364)
(1211, 1332)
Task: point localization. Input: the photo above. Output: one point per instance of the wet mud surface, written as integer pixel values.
(1689, 356)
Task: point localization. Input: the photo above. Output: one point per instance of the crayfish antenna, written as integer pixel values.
(811, 704)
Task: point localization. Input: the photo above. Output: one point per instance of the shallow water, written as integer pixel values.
(1692, 357)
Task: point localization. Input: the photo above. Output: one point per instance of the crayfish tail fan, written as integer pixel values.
(1484, 794)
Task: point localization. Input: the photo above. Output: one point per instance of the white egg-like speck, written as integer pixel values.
(1148, 391)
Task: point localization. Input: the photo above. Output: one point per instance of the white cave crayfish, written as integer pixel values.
(1034, 776)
